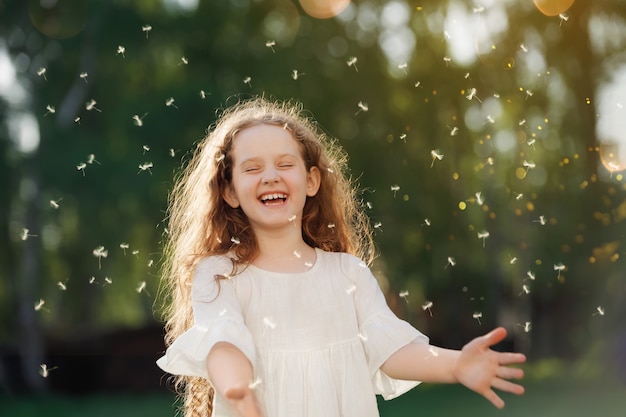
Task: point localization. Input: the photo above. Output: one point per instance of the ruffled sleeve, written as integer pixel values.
(217, 318)
(381, 331)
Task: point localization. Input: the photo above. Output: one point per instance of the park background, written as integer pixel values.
(487, 138)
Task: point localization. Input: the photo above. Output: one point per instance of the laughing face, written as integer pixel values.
(270, 180)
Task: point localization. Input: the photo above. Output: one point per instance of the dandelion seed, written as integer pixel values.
(92, 280)
(100, 252)
(529, 93)
(235, 240)
(530, 275)
(451, 262)
(600, 311)
(308, 264)
(403, 67)
(525, 290)
(220, 157)
(369, 205)
(150, 263)
(145, 148)
(91, 158)
(42, 73)
(139, 120)
(528, 165)
(248, 80)
(489, 162)
(489, 119)
(479, 198)
(83, 76)
(454, 131)
(362, 107)
(124, 246)
(135, 252)
(184, 60)
(297, 254)
(120, 51)
(395, 188)
(403, 137)
(478, 9)
(418, 84)
(107, 280)
(363, 337)
(292, 218)
(483, 235)
(513, 260)
(91, 105)
(447, 60)
(426, 222)
(531, 143)
(352, 62)
(172, 152)
(141, 287)
(295, 74)
(147, 29)
(62, 286)
(559, 267)
(170, 103)
(427, 306)
(44, 371)
(81, 167)
(378, 226)
(269, 322)
(541, 220)
(563, 17)
(203, 94)
(478, 315)
(523, 48)
(55, 203)
(331, 225)
(404, 294)
(436, 155)
(351, 289)
(145, 167)
(472, 95)
(77, 120)
(39, 304)
(25, 235)
(271, 44)
(519, 196)
(527, 326)
(255, 383)
(433, 351)
(50, 110)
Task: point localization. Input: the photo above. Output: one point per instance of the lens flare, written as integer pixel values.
(553, 7)
(324, 9)
(613, 157)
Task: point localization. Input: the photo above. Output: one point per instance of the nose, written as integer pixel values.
(270, 177)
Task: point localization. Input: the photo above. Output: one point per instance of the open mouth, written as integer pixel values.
(273, 199)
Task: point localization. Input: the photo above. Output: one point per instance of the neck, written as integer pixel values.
(284, 252)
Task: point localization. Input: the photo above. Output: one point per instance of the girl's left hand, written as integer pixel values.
(481, 369)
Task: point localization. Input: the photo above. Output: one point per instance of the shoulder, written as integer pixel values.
(348, 264)
(215, 265)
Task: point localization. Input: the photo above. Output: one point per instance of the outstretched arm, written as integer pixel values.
(231, 375)
(476, 366)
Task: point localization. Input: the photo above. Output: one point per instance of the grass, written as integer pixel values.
(545, 398)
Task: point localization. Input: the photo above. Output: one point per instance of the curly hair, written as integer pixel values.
(201, 224)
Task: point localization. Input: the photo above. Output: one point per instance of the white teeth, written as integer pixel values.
(273, 196)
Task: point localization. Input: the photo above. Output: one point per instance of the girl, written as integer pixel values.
(274, 311)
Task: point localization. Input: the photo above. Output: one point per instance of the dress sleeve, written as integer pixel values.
(217, 318)
(381, 331)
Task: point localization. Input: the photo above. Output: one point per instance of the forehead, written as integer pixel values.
(262, 140)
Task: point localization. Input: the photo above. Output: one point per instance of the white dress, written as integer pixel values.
(316, 339)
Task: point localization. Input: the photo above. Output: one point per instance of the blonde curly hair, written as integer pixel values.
(201, 224)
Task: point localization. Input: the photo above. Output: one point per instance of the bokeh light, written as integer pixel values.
(324, 9)
(553, 7)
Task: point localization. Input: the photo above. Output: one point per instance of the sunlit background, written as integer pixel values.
(488, 138)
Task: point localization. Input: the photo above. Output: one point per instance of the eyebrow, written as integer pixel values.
(255, 158)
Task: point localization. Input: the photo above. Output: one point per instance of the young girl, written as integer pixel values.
(273, 310)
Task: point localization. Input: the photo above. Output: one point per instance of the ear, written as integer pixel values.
(230, 196)
(313, 181)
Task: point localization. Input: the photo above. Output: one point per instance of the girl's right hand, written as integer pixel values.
(244, 402)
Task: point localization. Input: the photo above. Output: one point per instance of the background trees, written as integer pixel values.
(486, 138)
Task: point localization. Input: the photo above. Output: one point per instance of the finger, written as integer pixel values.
(508, 358)
(494, 398)
(494, 337)
(507, 386)
(506, 372)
